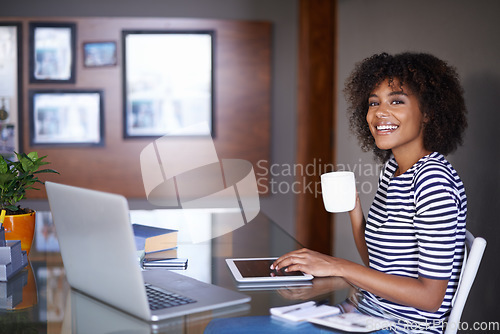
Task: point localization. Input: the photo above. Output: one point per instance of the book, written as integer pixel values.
(171, 264)
(165, 254)
(304, 311)
(154, 239)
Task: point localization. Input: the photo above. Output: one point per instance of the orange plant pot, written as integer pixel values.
(20, 227)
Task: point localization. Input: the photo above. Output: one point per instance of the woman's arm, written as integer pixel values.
(422, 293)
(358, 223)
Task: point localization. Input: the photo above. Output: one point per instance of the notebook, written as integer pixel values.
(100, 259)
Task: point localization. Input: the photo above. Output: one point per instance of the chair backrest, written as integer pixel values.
(475, 248)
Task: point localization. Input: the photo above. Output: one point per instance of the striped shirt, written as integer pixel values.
(416, 228)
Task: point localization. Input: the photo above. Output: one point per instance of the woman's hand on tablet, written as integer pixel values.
(309, 262)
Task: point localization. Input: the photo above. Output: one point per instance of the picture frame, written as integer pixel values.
(168, 81)
(52, 55)
(11, 92)
(66, 117)
(99, 54)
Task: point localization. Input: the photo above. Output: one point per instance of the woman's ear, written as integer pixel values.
(426, 119)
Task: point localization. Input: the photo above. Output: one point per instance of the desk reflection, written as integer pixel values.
(59, 309)
(320, 287)
(85, 314)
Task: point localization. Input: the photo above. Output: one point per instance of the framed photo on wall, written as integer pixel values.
(52, 52)
(66, 117)
(10, 88)
(167, 81)
(99, 54)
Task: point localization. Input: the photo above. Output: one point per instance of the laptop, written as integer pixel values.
(97, 246)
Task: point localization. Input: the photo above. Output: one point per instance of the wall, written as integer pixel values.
(241, 95)
(283, 16)
(466, 34)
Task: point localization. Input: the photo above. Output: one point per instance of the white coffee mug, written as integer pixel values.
(339, 191)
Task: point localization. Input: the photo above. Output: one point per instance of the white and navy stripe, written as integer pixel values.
(416, 227)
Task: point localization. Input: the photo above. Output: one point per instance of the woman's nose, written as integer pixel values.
(382, 112)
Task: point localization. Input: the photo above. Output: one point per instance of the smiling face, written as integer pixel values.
(395, 119)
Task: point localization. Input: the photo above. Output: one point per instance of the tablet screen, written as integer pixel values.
(261, 268)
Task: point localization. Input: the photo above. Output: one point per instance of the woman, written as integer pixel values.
(410, 111)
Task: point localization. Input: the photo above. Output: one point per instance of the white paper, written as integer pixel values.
(353, 322)
(304, 311)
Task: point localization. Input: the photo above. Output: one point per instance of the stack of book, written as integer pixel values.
(157, 243)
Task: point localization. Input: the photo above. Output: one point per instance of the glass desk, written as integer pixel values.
(39, 299)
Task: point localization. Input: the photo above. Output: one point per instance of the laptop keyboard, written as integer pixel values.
(160, 299)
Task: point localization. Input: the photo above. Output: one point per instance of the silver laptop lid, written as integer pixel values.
(97, 246)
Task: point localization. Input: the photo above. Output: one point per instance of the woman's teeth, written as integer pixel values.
(386, 127)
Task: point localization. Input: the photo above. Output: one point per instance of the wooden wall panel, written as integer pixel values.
(242, 63)
(315, 116)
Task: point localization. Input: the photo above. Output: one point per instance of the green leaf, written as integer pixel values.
(5, 178)
(33, 155)
(28, 165)
(11, 207)
(4, 166)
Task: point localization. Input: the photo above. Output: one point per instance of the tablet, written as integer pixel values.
(259, 286)
(258, 270)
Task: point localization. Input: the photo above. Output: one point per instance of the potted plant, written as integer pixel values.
(15, 178)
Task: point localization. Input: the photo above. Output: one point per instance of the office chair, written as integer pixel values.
(475, 247)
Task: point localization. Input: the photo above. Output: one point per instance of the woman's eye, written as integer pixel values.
(397, 102)
(372, 104)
